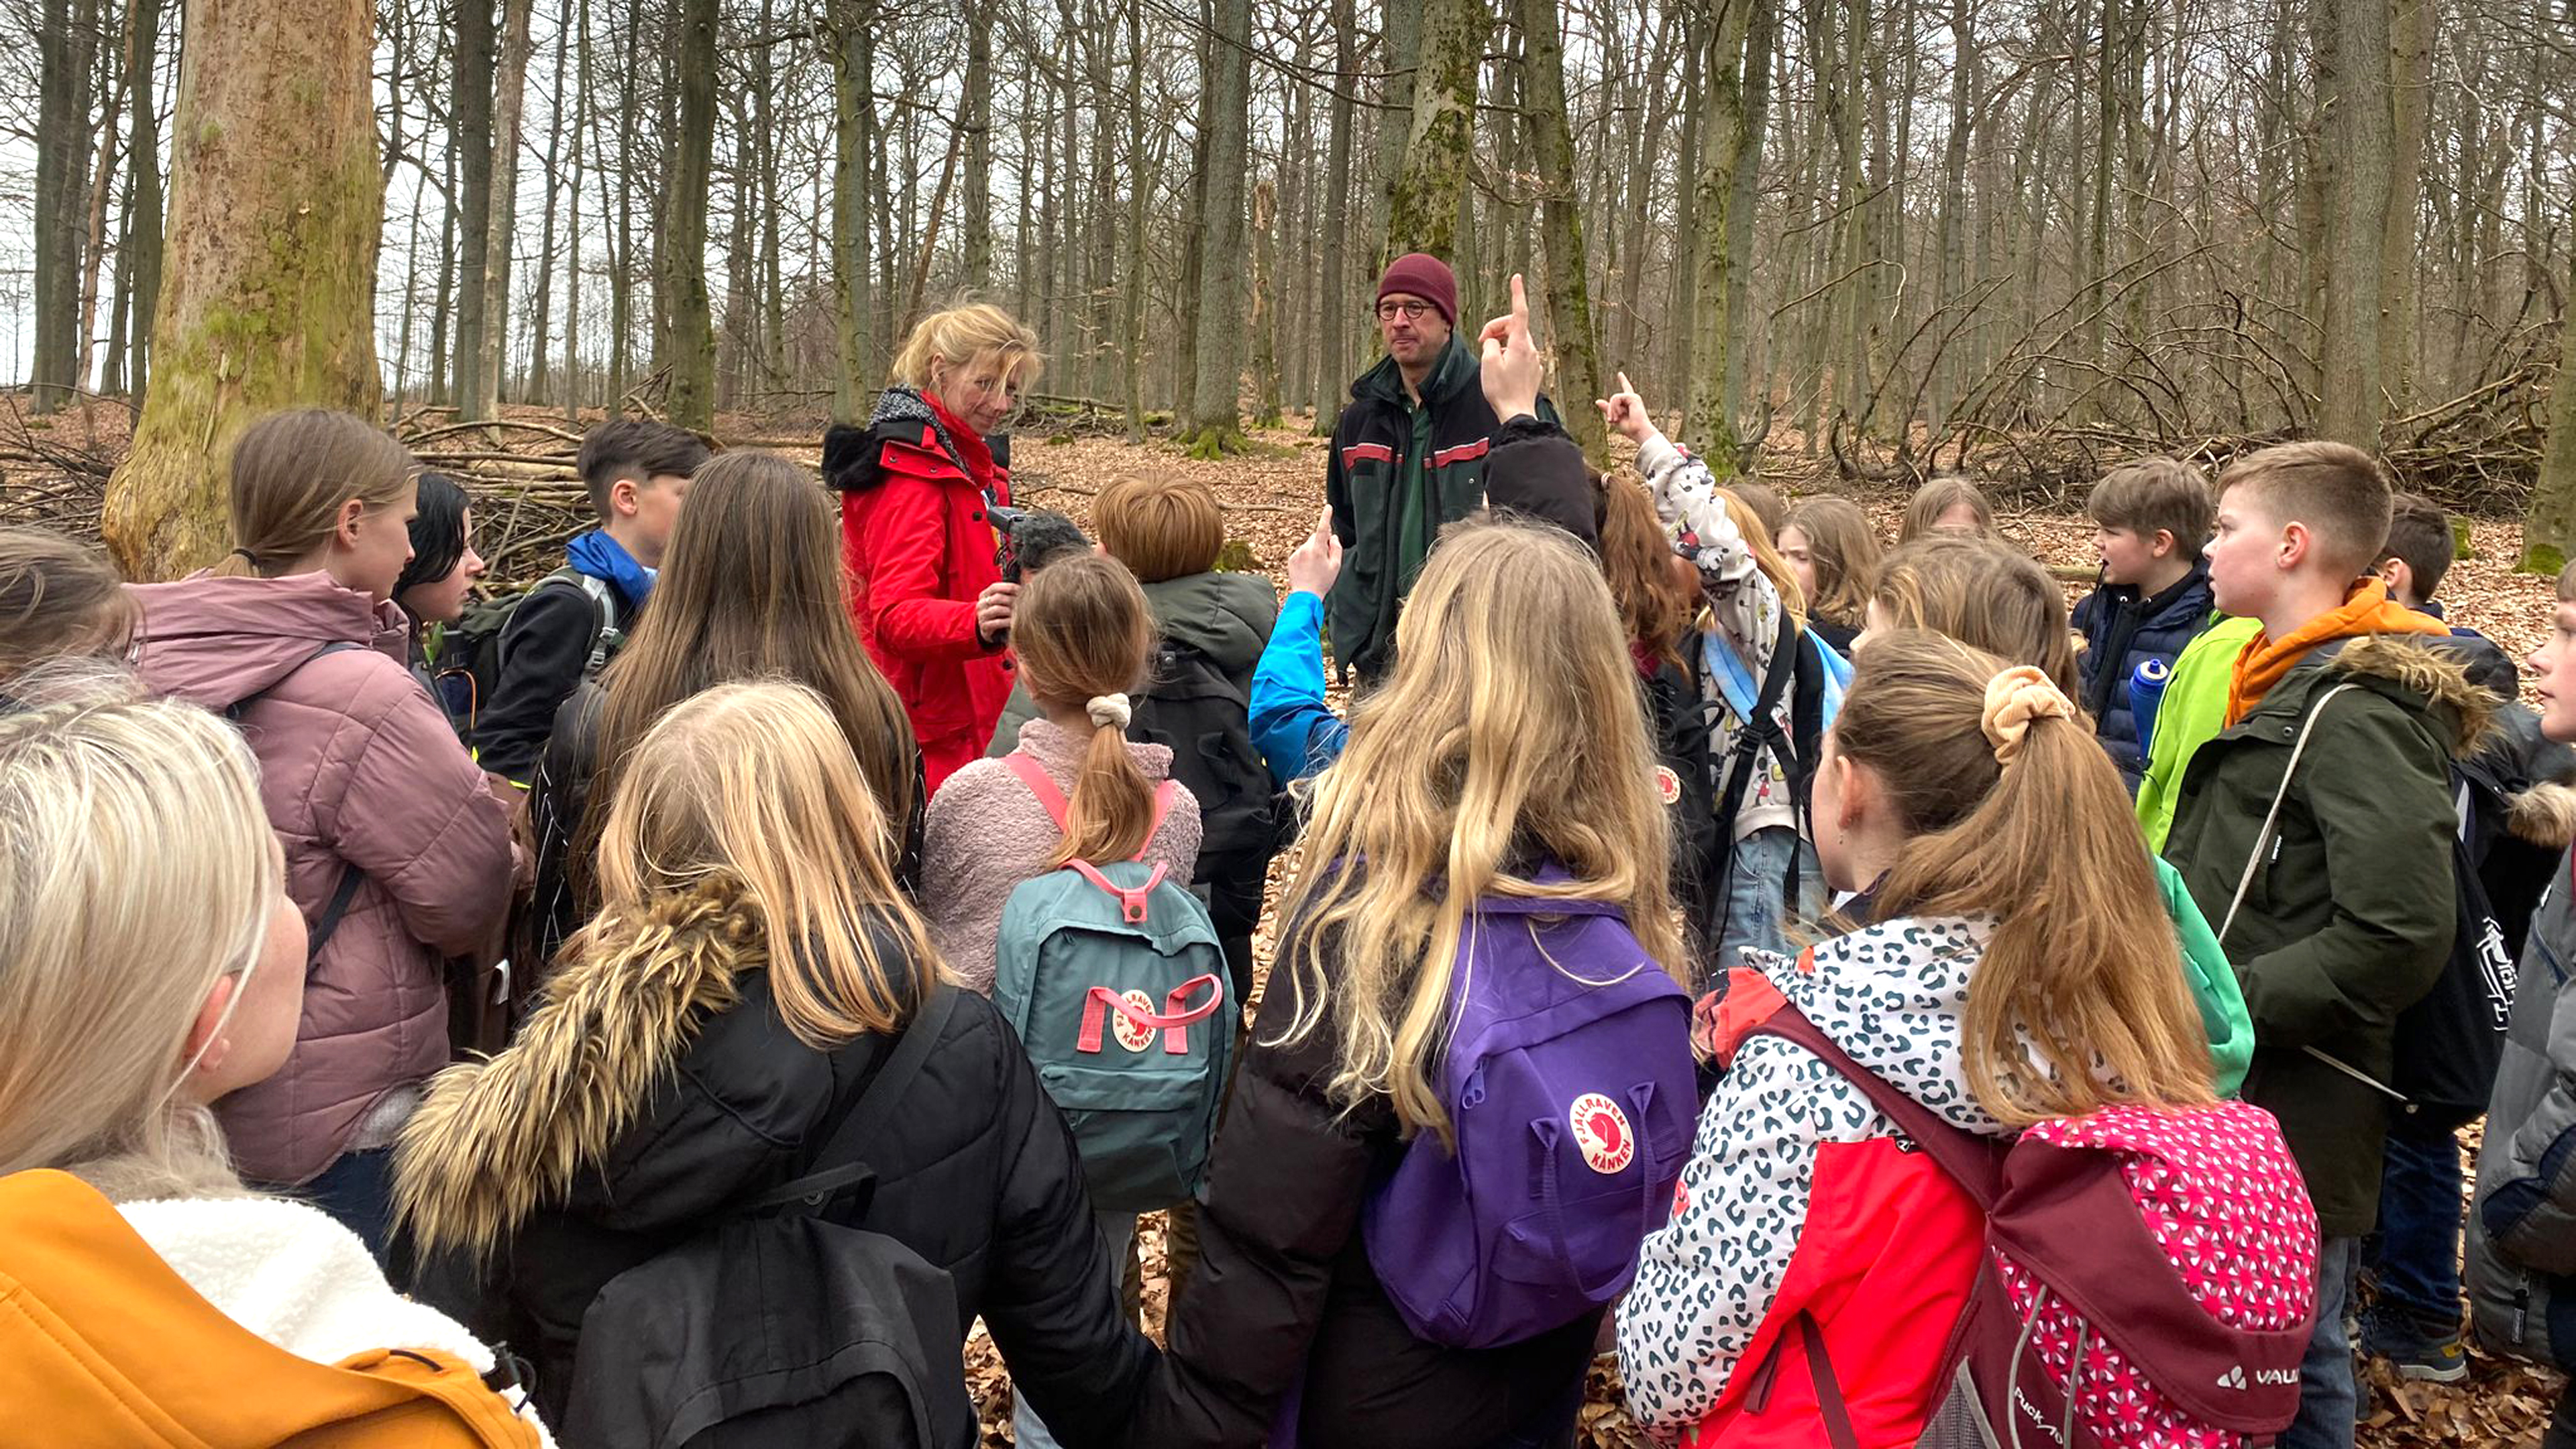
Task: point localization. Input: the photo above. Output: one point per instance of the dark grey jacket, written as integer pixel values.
(2522, 1223)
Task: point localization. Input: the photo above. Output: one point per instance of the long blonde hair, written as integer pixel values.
(118, 914)
(754, 783)
(2079, 1000)
(291, 472)
(1508, 732)
(961, 335)
(1083, 630)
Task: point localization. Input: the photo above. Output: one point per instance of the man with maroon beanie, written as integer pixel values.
(1408, 456)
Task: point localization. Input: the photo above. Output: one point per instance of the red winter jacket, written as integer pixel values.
(919, 549)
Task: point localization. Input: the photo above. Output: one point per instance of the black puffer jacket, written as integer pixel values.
(657, 1088)
(1284, 1288)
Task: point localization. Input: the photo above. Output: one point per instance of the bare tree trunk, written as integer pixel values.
(1744, 324)
(139, 262)
(1332, 296)
(1265, 316)
(65, 40)
(1575, 346)
(102, 185)
(1215, 390)
(1400, 27)
(501, 212)
(2549, 531)
(267, 306)
(557, 99)
(2400, 339)
(684, 237)
(2350, 83)
(1422, 215)
(470, 137)
(1131, 287)
(1728, 145)
(849, 36)
(572, 233)
(979, 146)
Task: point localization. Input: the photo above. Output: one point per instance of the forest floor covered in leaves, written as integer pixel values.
(52, 472)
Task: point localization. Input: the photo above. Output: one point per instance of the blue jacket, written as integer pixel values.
(1295, 730)
(2122, 631)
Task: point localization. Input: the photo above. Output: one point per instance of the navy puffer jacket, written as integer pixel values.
(2122, 631)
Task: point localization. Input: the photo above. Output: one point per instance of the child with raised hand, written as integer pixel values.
(151, 964)
(571, 624)
(1754, 614)
(750, 588)
(2316, 830)
(1833, 553)
(2151, 520)
(396, 851)
(57, 599)
(1950, 505)
(1505, 755)
(752, 974)
(2018, 969)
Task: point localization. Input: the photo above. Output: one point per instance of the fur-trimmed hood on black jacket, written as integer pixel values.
(657, 1087)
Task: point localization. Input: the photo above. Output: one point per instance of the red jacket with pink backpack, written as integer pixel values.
(1860, 1256)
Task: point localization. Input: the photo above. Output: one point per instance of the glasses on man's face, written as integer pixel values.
(1409, 311)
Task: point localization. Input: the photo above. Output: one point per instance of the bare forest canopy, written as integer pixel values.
(1877, 238)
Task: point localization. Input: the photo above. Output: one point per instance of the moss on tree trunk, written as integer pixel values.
(268, 269)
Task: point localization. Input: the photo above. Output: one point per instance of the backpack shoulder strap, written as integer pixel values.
(1973, 1162)
(1757, 730)
(235, 710)
(1060, 810)
(2272, 817)
(911, 1051)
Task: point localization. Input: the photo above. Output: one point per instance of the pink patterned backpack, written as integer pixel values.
(2150, 1277)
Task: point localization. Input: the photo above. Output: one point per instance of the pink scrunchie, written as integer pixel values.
(2013, 699)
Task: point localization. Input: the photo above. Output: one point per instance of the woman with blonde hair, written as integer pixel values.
(2019, 969)
(917, 488)
(397, 851)
(152, 963)
(1505, 756)
(752, 972)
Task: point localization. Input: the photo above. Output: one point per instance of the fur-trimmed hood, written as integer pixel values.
(2421, 666)
(495, 1140)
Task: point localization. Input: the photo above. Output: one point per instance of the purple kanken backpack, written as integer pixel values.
(1569, 1081)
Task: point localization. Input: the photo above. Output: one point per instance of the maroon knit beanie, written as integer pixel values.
(1423, 275)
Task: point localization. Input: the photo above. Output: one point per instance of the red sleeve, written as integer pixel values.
(901, 551)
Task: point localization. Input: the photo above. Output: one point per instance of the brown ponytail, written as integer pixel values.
(1083, 632)
(290, 474)
(2079, 1001)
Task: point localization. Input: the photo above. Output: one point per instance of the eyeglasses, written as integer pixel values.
(1409, 311)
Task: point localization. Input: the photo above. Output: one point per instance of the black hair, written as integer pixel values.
(639, 449)
(437, 532)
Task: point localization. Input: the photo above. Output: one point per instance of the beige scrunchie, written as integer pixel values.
(2013, 699)
(1109, 711)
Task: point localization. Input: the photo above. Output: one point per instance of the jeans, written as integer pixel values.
(2329, 1396)
(358, 1190)
(1756, 895)
(1117, 1231)
(2418, 1251)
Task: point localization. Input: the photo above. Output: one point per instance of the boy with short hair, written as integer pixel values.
(2151, 520)
(2315, 830)
(2522, 1223)
(638, 473)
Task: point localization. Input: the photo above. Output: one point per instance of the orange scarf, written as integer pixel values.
(2266, 661)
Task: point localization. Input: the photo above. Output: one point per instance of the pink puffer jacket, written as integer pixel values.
(359, 767)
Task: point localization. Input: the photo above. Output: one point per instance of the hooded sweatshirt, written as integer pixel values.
(357, 768)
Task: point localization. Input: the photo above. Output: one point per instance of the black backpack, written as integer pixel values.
(788, 1323)
(1192, 707)
(2449, 1043)
(1798, 671)
(467, 667)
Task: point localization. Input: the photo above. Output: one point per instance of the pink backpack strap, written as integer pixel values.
(1060, 810)
(1034, 776)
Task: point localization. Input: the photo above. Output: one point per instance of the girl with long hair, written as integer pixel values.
(1951, 505)
(752, 966)
(151, 964)
(397, 851)
(916, 488)
(2020, 968)
(750, 587)
(1833, 552)
(1764, 872)
(1504, 755)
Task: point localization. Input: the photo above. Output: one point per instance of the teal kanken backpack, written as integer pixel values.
(1113, 978)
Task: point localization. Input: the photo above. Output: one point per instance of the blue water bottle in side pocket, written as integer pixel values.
(2146, 692)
